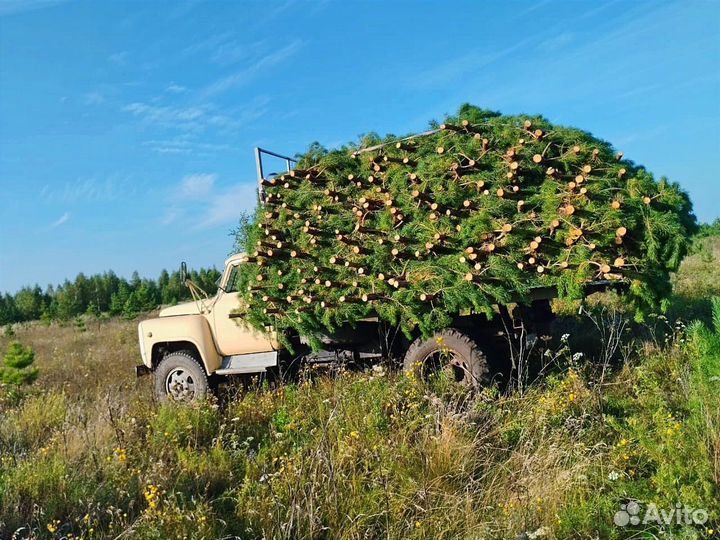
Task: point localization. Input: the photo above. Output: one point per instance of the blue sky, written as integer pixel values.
(127, 128)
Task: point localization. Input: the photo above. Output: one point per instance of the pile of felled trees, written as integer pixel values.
(473, 213)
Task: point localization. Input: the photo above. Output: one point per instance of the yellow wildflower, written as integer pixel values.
(152, 496)
(121, 454)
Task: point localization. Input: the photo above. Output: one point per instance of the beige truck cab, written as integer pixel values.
(189, 343)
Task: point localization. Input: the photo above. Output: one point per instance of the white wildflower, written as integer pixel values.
(539, 533)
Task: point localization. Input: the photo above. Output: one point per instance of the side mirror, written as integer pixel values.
(183, 272)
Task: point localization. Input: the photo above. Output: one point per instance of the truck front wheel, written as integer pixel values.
(180, 377)
(447, 352)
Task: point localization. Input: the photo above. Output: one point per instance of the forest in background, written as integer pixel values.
(101, 293)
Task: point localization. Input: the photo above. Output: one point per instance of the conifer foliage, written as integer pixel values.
(475, 212)
(16, 368)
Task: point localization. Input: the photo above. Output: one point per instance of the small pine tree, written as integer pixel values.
(16, 366)
(119, 299)
(9, 332)
(46, 317)
(132, 307)
(93, 310)
(80, 324)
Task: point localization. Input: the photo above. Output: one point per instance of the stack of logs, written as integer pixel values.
(470, 213)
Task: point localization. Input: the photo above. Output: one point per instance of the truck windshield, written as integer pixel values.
(232, 282)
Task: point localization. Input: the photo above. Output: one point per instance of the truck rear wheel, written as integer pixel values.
(450, 352)
(180, 377)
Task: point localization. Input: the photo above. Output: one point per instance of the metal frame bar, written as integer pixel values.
(259, 166)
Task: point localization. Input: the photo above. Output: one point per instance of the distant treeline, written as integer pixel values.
(101, 293)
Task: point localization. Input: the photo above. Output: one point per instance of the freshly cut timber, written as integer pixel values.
(476, 212)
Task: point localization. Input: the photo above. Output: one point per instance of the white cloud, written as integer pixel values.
(93, 98)
(247, 74)
(232, 52)
(174, 88)
(554, 43)
(184, 144)
(173, 116)
(63, 219)
(171, 215)
(193, 120)
(461, 68)
(194, 186)
(225, 207)
(8, 7)
(88, 190)
(210, 206)
(118, 58)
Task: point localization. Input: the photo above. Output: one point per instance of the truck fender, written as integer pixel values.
(193, 329)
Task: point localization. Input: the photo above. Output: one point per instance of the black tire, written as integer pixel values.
(181, 378)
(447, 350)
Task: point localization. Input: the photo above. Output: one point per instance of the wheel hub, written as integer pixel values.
(449, 362)
(180, 385)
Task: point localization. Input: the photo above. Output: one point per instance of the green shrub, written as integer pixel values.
(16, 368)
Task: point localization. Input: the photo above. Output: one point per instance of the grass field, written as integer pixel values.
(86, 453)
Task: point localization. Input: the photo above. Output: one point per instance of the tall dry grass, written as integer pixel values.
(86, 453)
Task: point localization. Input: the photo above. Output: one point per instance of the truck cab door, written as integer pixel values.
(231, 336)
